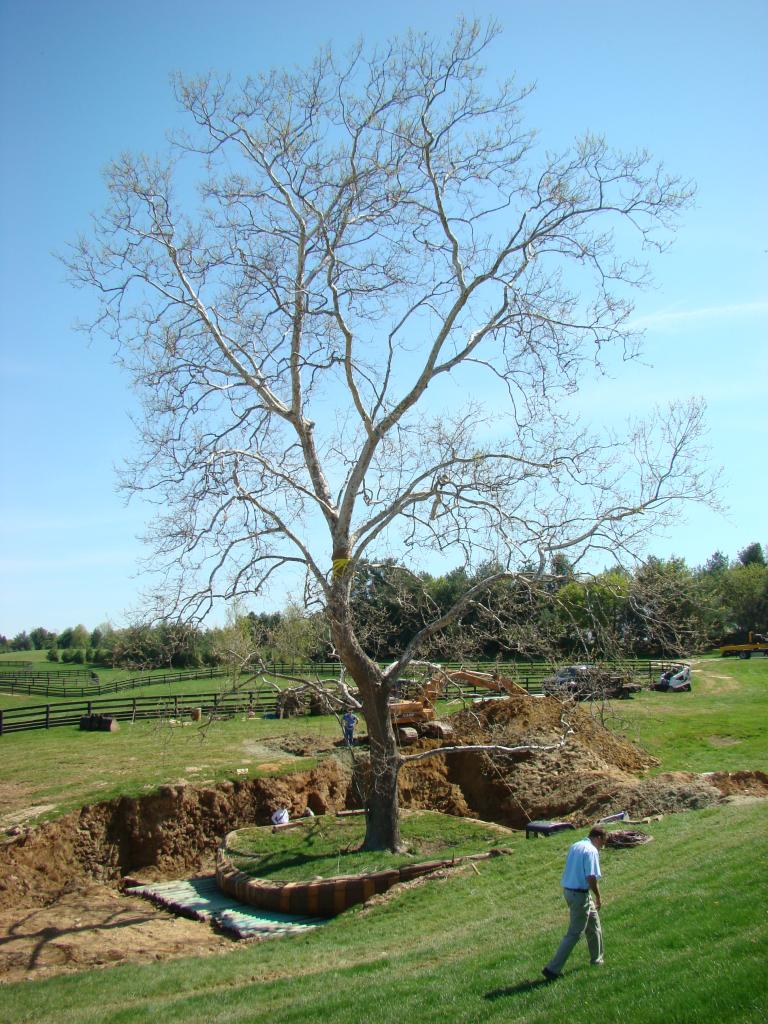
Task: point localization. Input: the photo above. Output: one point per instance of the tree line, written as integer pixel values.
(662, 608)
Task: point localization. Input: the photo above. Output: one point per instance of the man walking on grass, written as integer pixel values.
(582, 894)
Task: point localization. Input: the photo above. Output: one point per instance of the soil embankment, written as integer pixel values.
(593, 773)
(173, 831)
(60, 906)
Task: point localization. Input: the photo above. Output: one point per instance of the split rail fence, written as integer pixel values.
(135, 709)
(225, 704)
(58, 684)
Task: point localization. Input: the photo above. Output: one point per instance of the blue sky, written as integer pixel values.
(82, 81)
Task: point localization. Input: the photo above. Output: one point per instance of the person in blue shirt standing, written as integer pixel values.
(582, 894)
(349, 721)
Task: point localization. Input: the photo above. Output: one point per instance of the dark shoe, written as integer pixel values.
(550, 975)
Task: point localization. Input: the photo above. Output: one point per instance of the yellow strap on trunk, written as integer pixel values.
(340, 566)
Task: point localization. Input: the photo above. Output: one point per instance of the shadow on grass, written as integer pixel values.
(515, 990)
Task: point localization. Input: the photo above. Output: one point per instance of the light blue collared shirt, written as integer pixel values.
(583, 860)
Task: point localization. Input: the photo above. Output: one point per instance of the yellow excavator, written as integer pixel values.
(418, 714)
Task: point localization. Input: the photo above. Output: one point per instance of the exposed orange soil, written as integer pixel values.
(60, 899)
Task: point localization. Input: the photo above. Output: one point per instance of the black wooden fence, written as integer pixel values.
(75, 683)
(221, 704)
(36, 672)
(52, 686)
(133, 709)
(56, 683)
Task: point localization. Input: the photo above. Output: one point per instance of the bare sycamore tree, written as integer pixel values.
(354, 341)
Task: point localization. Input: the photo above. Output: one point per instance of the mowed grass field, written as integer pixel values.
(109, 676)
(685, 917)
(720, 726)
(63, 768)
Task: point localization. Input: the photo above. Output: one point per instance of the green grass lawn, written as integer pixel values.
(327, 846)
(65, 767)
(719, 726)
(684, 919)
(189, 686)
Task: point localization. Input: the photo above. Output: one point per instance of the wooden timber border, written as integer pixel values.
(323, 897)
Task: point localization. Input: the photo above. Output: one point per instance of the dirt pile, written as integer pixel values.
(587, 772)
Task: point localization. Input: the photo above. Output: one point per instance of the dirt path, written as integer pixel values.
(96, 927)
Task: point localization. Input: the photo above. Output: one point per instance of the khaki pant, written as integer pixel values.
(584, 918)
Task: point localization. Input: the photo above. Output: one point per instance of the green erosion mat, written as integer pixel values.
(202, 900)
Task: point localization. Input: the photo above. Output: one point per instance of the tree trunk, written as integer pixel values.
(382, 830)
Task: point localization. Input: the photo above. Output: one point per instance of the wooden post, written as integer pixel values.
(47, 716)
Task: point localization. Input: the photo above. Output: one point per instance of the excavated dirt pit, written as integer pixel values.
(60, 904)
(594, 774)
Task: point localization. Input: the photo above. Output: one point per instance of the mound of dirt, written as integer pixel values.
(580, 772)
(546, 720)
(739, 783)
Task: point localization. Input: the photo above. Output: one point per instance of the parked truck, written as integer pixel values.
(757, 643)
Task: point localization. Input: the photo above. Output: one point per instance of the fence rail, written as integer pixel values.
(54, 675)
(224, 704)
(55, 687)
(54, 683)
(133, 709)
(33, 669)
